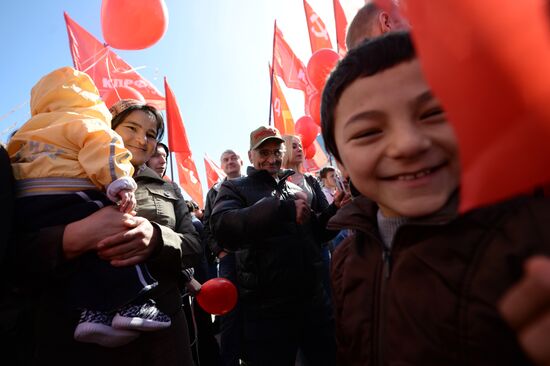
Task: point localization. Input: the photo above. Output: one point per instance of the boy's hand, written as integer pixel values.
(526, 307)
(127, 201)
(302, 208)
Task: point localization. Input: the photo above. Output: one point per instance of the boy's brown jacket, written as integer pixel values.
(432, 299)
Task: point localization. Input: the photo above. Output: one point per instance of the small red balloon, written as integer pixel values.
(307, 129)
(123, 92)
(314, 108)
(217, 296)
(310, 151)
(133, 24)
(319, 66)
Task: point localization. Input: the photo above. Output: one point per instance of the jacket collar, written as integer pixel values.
(360, 215)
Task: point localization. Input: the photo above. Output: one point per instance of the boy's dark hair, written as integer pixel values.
(370, 58)
(323, 172)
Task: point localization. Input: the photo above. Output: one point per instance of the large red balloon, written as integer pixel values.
(133, 24)
(217, 296)
(306, 128)
(314, 108)
(123, 92)
(319, 66)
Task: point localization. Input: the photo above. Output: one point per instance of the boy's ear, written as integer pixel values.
(250, 156)
(342, 169)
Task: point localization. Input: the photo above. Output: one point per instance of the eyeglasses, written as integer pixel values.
(266, 153)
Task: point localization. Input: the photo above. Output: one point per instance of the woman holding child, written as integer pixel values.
(50, 256)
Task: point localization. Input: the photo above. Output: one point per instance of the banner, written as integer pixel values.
(341, 26)
(107, 69)
(213, 172)
(318, 34)
(281, 113)
(287, 65)
(189, 179)
(179, 144)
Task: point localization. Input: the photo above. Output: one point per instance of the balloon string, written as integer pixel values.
(13, 110)
(105, 50)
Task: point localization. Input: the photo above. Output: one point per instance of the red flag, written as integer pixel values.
(341, 26)
(490, 69)
(106, 69)
(189, 179)
(213, 172)
(281, 113)
(287, 65)
(318, 34)
(177, 137)
(178, 143)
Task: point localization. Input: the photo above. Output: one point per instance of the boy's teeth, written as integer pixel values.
(414, 176)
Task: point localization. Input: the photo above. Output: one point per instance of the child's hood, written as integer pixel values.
(68, 90)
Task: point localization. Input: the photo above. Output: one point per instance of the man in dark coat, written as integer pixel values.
(267, 221)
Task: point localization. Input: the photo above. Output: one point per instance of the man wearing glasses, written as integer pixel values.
(268, 223)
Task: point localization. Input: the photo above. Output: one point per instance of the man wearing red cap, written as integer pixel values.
(267, 222)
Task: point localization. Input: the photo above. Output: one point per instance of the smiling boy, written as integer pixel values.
(417, 284)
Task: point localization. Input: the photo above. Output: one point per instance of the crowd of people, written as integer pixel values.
(368, 263)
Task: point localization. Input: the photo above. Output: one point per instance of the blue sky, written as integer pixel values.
(215, 55)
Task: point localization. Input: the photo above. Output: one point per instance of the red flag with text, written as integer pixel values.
(281, 113)
(179, 145)
(105, 67)
(489, 68)
(318, 34)
(213, 172)
(287, 65)
(341, 26)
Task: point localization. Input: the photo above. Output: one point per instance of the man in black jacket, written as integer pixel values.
(269, 223)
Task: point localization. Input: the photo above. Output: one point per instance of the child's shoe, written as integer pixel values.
(141, 316)
(95, 327)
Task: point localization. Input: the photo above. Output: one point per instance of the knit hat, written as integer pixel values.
(123, 105)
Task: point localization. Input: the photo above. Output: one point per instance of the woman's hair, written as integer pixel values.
(123, 108)
(163, 145)
(289, 153)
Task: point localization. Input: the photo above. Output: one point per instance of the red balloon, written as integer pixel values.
(319, 66)
(133, 24)
(306, 128)
(123, 92)
(217, 296)
(314, 108)
(310, 151)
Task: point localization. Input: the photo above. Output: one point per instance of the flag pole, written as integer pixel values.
(272, 70)
(171, 167)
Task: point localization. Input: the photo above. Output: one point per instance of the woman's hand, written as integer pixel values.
(130, 246)
(84, 235)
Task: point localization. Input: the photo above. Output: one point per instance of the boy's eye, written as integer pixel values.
(370, 133)
(131, 128)
(434, 112)
(151, 136)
